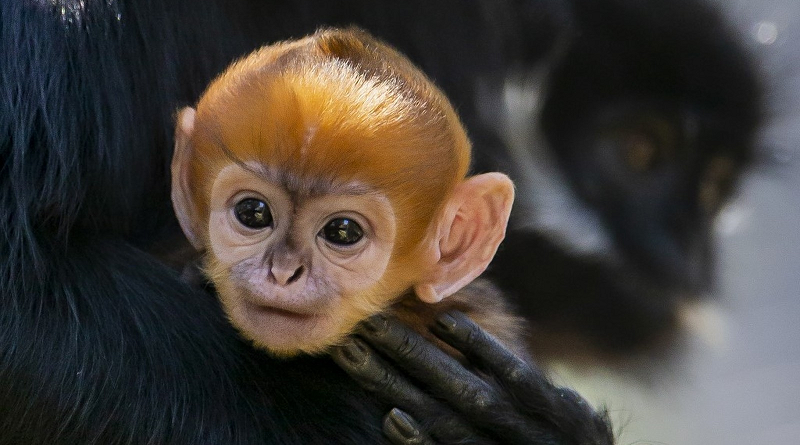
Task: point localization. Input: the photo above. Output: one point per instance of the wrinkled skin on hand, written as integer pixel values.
(492, 397)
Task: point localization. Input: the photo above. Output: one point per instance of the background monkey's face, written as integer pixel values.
(298, 261)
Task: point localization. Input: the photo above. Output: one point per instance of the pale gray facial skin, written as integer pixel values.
(286, 286)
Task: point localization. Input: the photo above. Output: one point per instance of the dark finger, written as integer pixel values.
(488, 354)
(401, 429)
(366, 367)
(363, 365)
(564, 409)
(474, 397)
(429, 364)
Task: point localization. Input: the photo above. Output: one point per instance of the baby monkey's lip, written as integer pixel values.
(293, 312)
(286, 313)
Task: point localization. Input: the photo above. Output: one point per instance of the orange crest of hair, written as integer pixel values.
(337, 106)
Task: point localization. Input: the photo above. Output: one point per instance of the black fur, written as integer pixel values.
(627, 64)
(676, 61)
(99, 343)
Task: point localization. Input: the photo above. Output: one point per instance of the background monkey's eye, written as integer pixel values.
(253, 213)
(342, 231)
(642, 144)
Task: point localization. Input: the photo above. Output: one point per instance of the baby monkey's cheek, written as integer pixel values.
(360, 273)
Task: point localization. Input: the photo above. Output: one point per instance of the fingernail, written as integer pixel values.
(446, 322)
(403, 423)
(354, 351)
(376, 323)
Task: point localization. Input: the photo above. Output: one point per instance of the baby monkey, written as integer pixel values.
(324, 179)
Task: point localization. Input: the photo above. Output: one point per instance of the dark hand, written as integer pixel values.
(503, 400)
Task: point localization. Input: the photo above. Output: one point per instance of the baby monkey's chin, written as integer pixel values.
(285, 333)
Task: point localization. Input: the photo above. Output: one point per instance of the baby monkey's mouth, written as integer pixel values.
(283, 303)
(286, 310)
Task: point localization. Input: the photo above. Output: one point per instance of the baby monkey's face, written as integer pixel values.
(297, 261)
(353, 189)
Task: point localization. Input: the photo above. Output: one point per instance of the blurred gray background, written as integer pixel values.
(738, 380)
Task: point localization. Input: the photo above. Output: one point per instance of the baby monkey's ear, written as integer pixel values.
(182, 202)
(471, 228)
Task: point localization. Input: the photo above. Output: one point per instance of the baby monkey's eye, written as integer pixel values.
(342, 231)
(253, 213)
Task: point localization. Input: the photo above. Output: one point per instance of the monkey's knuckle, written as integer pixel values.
(385, 382)
(517, 373)
(409, 348)
(482, 400)
(470, 337)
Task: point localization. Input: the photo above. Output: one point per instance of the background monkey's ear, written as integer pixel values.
(182, 201)
(471, 228)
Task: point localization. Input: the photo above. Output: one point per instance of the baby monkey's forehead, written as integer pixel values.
(309, 185)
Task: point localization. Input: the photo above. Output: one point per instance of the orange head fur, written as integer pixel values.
(337, 105)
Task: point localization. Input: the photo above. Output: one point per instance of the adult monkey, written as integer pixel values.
(676, 63)
(92, 86)
(103, 344)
